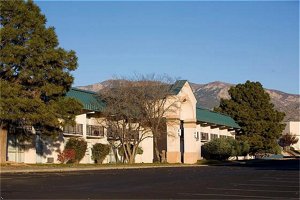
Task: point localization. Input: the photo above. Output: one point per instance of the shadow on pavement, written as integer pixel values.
(262, 164)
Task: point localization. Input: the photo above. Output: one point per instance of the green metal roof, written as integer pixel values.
(89, 99)
(92, 102)
(208, 116)
(177, 86)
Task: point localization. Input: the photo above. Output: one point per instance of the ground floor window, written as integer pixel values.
(204, 136)
(213, 136)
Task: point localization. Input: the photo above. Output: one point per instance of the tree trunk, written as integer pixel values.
(115, 151)
(132, 159)
(116, 154)
(133, 154)
(126, 156)
(3, 144)
(156, 155)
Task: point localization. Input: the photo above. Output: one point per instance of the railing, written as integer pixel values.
(74, 130)
(95, 131)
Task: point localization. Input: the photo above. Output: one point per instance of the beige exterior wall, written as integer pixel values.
(173, 157)
(173, 136)
(185, 112)
(51, 148)
(191, 146)
(147, 146)
(30, 154)
(293, 127)
(210, 130)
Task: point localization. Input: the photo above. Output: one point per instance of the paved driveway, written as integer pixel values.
(273, 180)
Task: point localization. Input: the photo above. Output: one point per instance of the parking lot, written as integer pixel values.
(268, 179)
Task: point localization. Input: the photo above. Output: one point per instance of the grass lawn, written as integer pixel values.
(112, 165)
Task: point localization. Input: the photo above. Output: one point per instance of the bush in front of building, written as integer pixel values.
(223, 148)
(99, 152)
(66, 156)
(217, 149)
(79, 145)
(139, 151)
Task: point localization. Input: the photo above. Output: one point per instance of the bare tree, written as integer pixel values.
(123, 117)
(159, 103)
(288, 139)
(136, 109)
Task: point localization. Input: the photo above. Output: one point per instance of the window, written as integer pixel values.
(77, 129)
(196, 135)
(223, 136)
(92, 130)
(213, 136)
(204, 136)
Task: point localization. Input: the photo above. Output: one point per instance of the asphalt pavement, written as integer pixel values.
(260, 180)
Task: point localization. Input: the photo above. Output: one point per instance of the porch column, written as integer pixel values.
(191, 153)
(173, 141)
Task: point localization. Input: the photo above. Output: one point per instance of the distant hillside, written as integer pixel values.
(209, 95)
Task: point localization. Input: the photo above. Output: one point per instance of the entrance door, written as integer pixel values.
(15, 150)
(182, 141)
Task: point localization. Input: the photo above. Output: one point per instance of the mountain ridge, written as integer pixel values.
(209, 94)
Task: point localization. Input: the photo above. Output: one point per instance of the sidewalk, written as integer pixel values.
(66, 168)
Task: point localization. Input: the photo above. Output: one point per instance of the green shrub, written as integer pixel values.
(139, 150)
(79, 145)
(99, 152)
(217, 149)
(223, 148)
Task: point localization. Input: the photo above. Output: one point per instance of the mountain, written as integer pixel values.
(209, 95)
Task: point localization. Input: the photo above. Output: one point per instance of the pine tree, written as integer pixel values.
(261, 124)
(35, 73)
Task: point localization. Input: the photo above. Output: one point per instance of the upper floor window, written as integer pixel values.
(93, 130)
(77, 129)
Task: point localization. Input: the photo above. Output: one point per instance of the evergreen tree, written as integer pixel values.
(261, 124)
(35, 73)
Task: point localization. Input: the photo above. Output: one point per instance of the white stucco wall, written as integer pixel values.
(186, 112)
(173, 137)
(147, 146)
(293, 127)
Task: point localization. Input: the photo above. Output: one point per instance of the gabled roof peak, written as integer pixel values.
(177, 86)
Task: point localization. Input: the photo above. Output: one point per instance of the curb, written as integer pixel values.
(90, 169)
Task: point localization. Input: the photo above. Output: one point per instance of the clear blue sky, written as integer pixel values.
(198, 41)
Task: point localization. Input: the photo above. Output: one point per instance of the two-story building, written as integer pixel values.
(187, 129)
